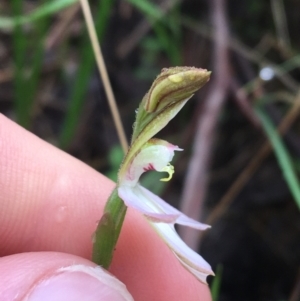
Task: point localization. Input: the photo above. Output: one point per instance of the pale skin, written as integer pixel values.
(50, 203)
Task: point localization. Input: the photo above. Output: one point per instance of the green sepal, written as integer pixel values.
(170, 86)
(152, 128)
(174, 84)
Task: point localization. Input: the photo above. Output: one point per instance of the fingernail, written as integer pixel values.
(80, 282)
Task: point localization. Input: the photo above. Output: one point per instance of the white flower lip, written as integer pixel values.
(153, 156)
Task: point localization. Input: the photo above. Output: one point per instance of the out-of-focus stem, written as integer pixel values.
(103, 73)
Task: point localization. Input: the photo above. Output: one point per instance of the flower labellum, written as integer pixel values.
(154, 148)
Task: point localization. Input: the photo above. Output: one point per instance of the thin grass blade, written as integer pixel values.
(283, 157)
(49, 8)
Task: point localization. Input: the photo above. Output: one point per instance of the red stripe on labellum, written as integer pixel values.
(149, 167)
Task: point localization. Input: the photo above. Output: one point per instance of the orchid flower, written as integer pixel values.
(168, 94)
(156, 155)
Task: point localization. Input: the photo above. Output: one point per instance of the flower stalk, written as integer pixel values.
(108, 230)
(168, 94)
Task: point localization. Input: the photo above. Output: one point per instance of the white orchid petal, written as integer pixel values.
(192, 260)
(200, 275)
(167, 208)
(181, 249)
(133, 197)
(162, 216)
(189, 222)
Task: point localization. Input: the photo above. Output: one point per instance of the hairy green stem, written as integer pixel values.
(108, 230)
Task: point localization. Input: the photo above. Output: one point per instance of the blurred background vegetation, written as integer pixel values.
(237, 173)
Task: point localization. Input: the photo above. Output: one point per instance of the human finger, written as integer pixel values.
(51, 202)
(45, 276)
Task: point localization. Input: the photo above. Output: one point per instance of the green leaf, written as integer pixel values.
(148, 8)
(282, 155)
(115, 158)
(165, 29)
(41, 12)
(216, 283)
(25, 85)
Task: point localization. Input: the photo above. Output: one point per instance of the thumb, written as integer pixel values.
(46, 276)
